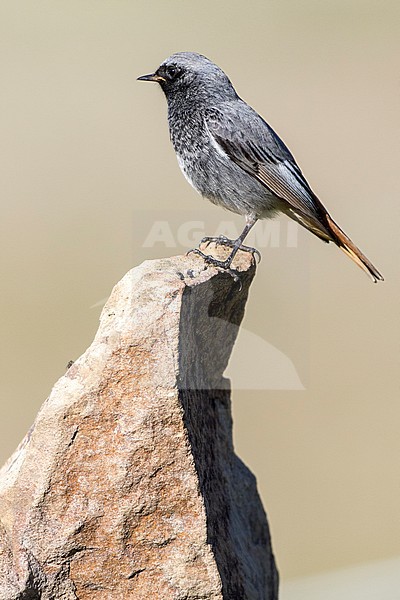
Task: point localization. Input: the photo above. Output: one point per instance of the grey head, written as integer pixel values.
(188, 75)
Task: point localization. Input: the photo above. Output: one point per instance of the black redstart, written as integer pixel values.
(230, 155)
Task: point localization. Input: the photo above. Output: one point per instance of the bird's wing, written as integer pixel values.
(252, 144)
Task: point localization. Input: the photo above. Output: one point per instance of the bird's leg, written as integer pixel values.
(234, 244)
(222, 240)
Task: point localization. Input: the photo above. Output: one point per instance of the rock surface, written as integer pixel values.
(127, 485)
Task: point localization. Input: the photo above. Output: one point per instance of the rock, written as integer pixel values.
(127, 485)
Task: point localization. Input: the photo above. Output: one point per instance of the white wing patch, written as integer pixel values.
(214, 142)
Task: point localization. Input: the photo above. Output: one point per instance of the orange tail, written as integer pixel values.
(345, 244)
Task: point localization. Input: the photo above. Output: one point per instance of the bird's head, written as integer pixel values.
(187, 74)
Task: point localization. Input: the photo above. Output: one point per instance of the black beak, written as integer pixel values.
(151, 77)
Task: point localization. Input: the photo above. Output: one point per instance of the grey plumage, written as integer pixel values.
(231, 156)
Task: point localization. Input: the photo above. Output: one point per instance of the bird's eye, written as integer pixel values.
(172, 72)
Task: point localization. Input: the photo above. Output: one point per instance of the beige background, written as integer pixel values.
(86, 161)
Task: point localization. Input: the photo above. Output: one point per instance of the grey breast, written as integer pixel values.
(210, 171)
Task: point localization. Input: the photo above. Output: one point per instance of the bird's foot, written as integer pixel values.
(222, 240)
(220, 264)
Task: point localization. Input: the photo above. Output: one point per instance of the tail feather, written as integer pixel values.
(322, 225)
(347, 246)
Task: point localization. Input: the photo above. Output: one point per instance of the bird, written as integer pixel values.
(233, 157)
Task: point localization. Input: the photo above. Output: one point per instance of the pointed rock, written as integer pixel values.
(127, 485)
